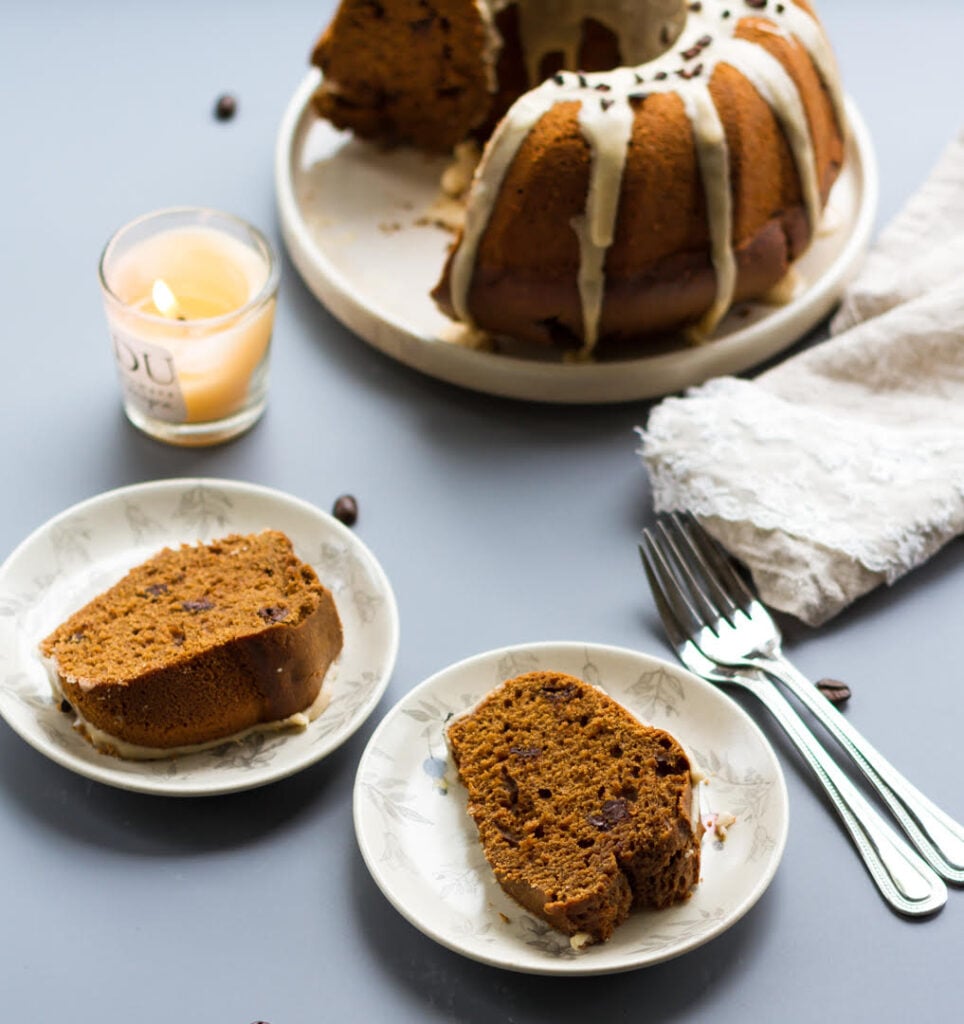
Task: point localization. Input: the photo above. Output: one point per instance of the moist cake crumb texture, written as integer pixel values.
(583, 812)
(199, 642)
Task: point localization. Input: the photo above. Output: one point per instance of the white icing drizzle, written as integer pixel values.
(774, 84)
(714, 163)
(605, 119)
(498, 155)
(814, 40)
(607, 125)
(493, 42)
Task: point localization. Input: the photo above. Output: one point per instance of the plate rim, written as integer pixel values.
(113, 774)
(563, 383)
(577, 967)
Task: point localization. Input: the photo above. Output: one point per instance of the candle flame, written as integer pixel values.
(165, 300)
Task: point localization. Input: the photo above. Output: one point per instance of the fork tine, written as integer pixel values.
(685, 528)
(710, 553)
(670, 623)
(686, 619)
(672, 532)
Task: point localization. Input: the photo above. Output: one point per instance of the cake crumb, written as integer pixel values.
(580, 940)
(719, 824)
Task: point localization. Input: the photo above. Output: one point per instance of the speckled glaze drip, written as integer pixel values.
(606, 116)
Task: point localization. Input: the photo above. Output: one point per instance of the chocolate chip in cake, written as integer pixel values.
(156, 589)
(565, 692)
(278, 613)
(527, 753)
(613, 812)
(345, 509)
(666, 767)
(202, 604)
(226, 107)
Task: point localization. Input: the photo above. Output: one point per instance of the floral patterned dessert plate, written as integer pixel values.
(422, 847)
(85, 549)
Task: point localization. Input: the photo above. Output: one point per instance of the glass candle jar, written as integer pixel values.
(190, 297)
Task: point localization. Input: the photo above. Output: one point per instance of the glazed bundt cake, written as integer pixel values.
(197, 644)
(675, 158)
(583, 812)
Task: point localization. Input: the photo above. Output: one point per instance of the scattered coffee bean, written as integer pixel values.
(345, 510)
(834, 690)
(65, 706)
(226, 107)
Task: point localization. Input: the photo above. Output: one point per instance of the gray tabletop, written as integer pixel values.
(498, 522)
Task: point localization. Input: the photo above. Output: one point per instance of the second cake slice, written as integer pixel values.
(583, 812)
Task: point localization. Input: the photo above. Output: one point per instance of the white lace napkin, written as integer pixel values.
(843, 467)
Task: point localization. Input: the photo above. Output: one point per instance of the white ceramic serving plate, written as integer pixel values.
(85, 549)
(422, 847)
(357, 223)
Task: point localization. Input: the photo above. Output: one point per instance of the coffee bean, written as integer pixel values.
(834, 690)
(226, 107)
(345, 510)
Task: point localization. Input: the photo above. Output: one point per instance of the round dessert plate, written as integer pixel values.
(422, 847)
(361, 225)
(87, 548)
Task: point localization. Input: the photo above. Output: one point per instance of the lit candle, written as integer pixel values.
(190, 298)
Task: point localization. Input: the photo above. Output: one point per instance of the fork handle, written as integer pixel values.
(903, 878)
(939, 838)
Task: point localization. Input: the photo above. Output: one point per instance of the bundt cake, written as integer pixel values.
(582, 811)
(198, 644)
(675, 158)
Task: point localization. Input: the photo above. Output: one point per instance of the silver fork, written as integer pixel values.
(734, 628)
(903, 878)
